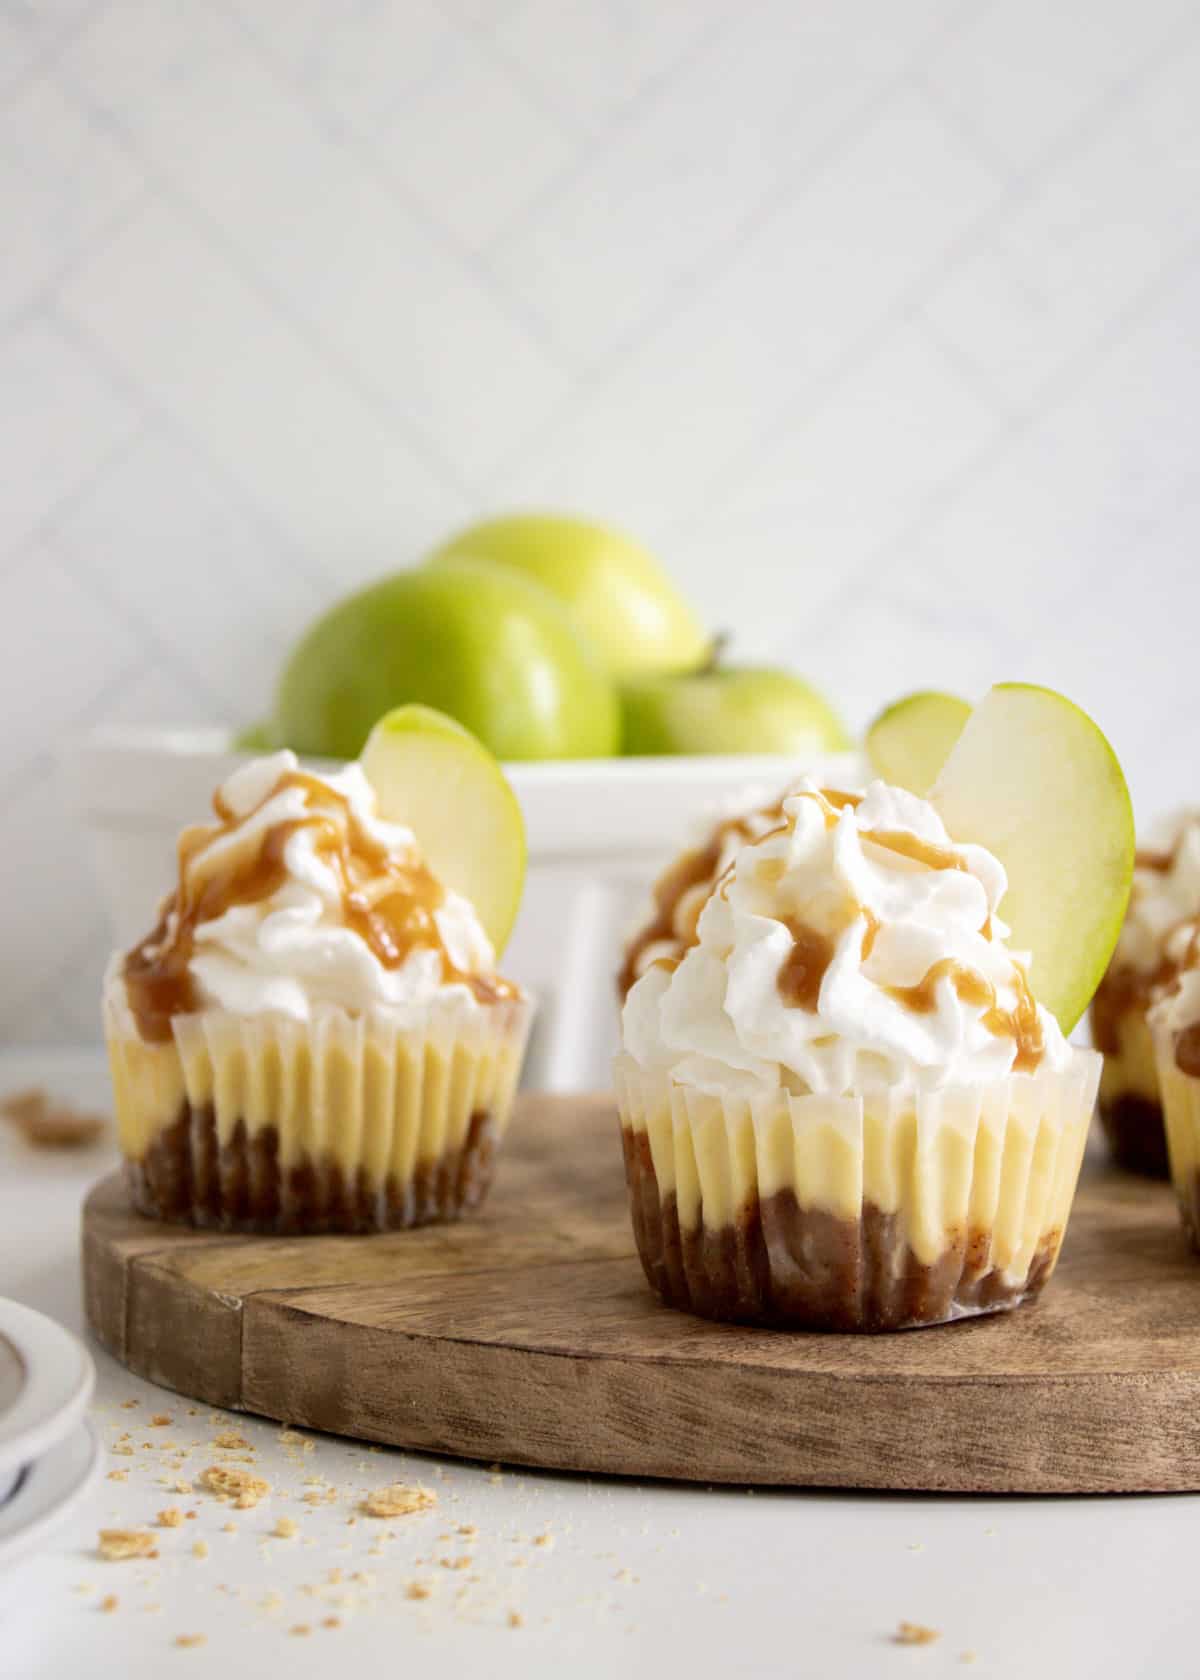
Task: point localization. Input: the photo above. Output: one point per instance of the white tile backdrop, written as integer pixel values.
(879, 319)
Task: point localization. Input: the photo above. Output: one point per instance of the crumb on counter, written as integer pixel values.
(914, 1633)
(285, 1529)
(186, 1641)
(397, 1500)
(108, 1603)
(172, 1517)
(116, 1544)
(240, 1486)
(50, 1125)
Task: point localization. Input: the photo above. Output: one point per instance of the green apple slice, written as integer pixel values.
(911, 739)
(1033, 779)
(432, 775)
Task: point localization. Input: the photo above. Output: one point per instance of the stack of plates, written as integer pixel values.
(49, 1454)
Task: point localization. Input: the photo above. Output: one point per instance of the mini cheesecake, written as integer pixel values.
(842, 1107)
(313, 1037)
(1159, 935)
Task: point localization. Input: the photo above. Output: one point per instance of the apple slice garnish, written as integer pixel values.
(911, 739)
(434, 777)
(1034, 780)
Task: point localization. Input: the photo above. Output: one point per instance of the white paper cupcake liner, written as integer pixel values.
(1181, 1116)
(853, 1213)
(347, 1122)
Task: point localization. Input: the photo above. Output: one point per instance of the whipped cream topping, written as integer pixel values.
(854, 946)
(301, 895)
(1164, 903)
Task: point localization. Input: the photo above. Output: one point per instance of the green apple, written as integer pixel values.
(910, 741)
(489, 647)
(1033, 779)
(434, 777)
(255, 737)
(731, 709)
(616, 593)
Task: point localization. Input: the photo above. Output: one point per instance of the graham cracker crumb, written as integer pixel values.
(419, 1589)
(239, 1485)
(160, 1420)
(50, 1125)
(463, 1562)
(118, 1475)
(229, 1528)
(397, 1500)
(128, 1405)
(334, 1577)
(515, 1619)
(172, 1517)
(913, 1633)
(231, 1439)
(544, 1540)
(121, 1450)
(108, 1603)
(186, 1640)
(301, 1630)
(332, 1622)
(199, 1547)
(285, 1529)
(116, 1544)
(468, 1529)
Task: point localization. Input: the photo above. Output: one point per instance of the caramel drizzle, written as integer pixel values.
(925, 852)
(803, 969)
(1125, 988)
(1021, 1023)
(694, 868)
(1187, 1051)
(388, 900)
(806, 964)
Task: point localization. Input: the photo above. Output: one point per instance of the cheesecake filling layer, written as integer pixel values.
(996, 1165)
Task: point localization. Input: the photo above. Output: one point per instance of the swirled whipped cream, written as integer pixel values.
(854, 946)
(1164, 903)
(301, 895)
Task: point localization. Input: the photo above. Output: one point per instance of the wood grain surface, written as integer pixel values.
(528, 1334)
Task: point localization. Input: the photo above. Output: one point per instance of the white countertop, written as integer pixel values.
(634, 1579)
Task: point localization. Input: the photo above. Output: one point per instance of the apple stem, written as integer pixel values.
(715, 654)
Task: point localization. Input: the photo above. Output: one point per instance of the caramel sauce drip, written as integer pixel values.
(803, 969)
(1125, 988)
(871, 932)
(387, 899)
(1021, 1023)
(694, 868)
(926, 852)
(1158, 862)
(1187, 1051)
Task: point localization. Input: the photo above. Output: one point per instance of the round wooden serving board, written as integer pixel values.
(528, 1334)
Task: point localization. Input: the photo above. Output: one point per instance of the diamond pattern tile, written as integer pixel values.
(881, 322)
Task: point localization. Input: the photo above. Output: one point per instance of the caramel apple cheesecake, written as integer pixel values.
(313, 1037)
(1156, 939)
(842, 1107)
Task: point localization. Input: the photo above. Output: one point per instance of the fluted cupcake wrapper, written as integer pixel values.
(348, 1122)
(1181, 1116)
(1130, 1096)
(868, 1213)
